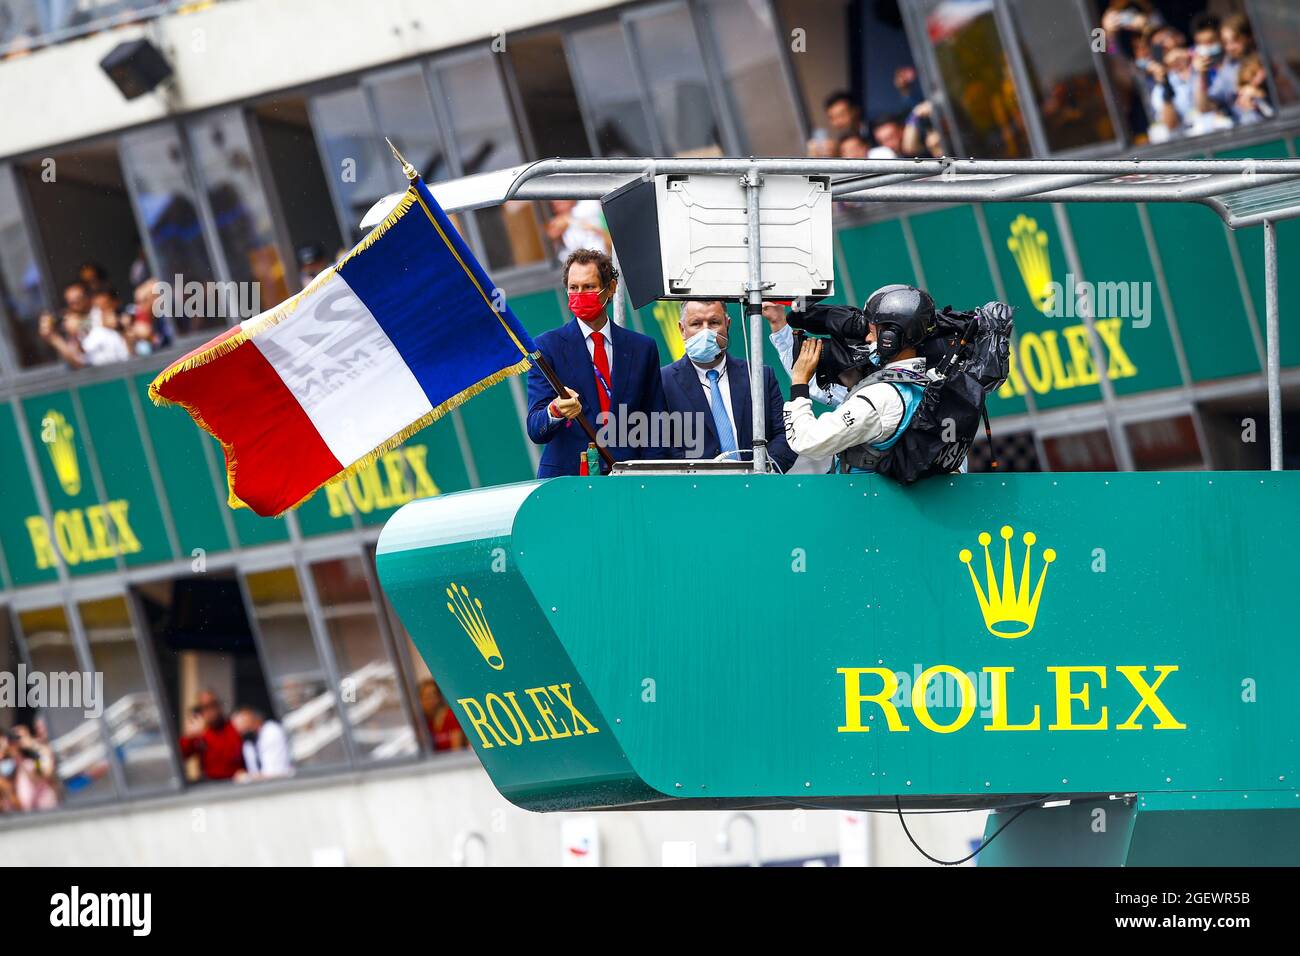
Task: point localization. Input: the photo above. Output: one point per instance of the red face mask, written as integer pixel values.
(586, 305)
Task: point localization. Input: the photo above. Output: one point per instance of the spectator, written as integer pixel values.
(1218, 92)
(33, 781)
(1173, 98)
(843, 117)
(105, 309)
(444, 730)
(92, 276)
(854, 146)
(76, 299)
(888, 134)
(211, 737)
(921, 136)
(577, 224)
(1252, 104)
(149, 319)
(81, 342)
(311, 262)
(266, 746)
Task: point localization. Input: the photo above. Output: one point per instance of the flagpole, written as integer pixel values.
(539, 359)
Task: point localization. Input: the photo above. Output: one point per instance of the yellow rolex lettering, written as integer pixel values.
(373, 481)
(528, 728)
(479, 720)
(415, 458)
(998, 698)
(1060, 377)
(127, 542)
(1165, 720)
(495, 703)
(360, 491)
(922, 709)
(1076, 340)
(1120, 366)
(542, 701)
(1015, 384)
(1033, 362)
(42, 546)
(854, 699)
(70, 535)
(565, 693)
(339, 502)
(101, 546)
(1066, 696)
(400, 492)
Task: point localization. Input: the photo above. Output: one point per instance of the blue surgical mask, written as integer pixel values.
(871, 350)
(7, 767)
(1209, 49)
(703, 346)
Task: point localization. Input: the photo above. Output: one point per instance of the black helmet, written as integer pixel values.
(903, 317)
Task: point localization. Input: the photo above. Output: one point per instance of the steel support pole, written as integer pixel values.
(754, 316)
(1273, 348)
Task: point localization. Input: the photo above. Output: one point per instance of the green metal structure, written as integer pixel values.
(844, 642)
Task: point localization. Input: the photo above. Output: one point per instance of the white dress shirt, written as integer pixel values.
(269, 755)
(591, 352)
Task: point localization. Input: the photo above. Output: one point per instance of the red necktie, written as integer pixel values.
(601, 361)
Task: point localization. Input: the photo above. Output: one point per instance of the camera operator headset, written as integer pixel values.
(882, 397)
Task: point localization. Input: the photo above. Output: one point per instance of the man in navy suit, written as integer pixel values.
(713, 385)
(608, 371)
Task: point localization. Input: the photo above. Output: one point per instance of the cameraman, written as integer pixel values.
(882, 398)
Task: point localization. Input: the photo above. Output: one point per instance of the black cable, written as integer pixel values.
(901, 819)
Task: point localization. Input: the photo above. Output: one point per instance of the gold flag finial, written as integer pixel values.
(407, 168)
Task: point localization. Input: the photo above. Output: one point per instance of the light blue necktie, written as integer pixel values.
(726, 436)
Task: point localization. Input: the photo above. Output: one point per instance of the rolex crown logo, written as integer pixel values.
(469, 611)
(57, 435)
(1028, 245)
(1009, 611)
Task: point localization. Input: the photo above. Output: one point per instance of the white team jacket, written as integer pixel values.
(871, 414)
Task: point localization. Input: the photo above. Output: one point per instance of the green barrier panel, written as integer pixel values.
(839, 640)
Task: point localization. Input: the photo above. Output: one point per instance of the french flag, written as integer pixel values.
(404, 328)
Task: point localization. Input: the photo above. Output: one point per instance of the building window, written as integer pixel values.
(547, 96)
(22, 298)
(65, 760)
(299, 685)
(168, 205)
(1063, 74)
(130, 710)
(671, 61)
(976, 78)
(483, 135)
(749, 53)
(223, 154)
(611, 92)
(358, 166)
(1279, 29)
(374, 699)
(1081, 451)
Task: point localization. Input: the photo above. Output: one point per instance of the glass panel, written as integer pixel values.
(129, 705)
(550, 105)
(748, 47)
(823, 67)
(20, 277)
(1279, 26)
(483, 132)
(1165, 444)
(977, 78)
(679, 87)
(1085, 451)
(166, 203)
(404, 113)
(370, 680)
(1059, 59)
(65, 761)
(611, 92)
(224, 155)
(10, 715)
(358, 170)
(298, 681)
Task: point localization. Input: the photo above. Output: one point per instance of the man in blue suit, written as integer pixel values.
(604, 367)
(713, 385)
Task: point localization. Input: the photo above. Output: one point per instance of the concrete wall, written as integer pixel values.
(412, 816)
(241, 48)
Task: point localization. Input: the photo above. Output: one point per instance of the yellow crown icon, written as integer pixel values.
(1008, 611)
(1028, 245)
(469, 611)
(58, 437)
